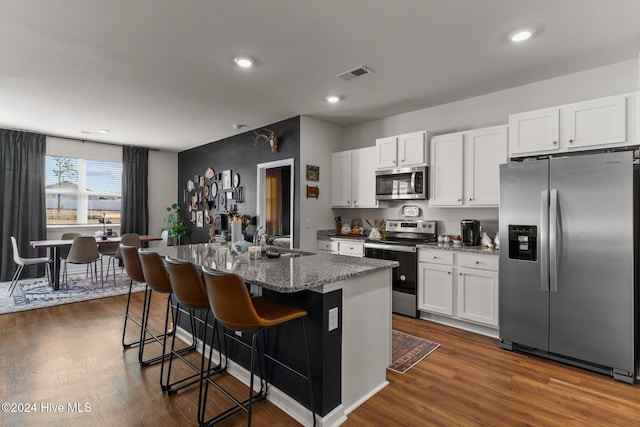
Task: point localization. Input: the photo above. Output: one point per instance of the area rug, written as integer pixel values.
(37, 293)
(407, 350)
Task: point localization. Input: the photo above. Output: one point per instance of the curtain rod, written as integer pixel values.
(81, 140)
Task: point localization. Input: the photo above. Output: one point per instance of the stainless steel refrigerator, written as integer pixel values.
(568, 260)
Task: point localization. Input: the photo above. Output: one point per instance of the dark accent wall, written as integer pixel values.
(241, 155)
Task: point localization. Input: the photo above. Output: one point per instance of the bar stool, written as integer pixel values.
(134, 271)
(236, 310)
(157, 280)
(189, 290)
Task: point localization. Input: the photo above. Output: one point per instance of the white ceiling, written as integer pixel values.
(160, 73)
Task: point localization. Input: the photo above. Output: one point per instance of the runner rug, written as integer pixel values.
(407, 350)
(37, 293)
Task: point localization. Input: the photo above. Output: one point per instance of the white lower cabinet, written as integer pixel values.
(351, 248)
(328, 246)
(342, 247)
(463, 286)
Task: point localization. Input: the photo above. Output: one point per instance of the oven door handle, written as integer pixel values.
(394, 248)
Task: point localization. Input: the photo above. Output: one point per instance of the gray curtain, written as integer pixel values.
(23, 215)
(134, 217)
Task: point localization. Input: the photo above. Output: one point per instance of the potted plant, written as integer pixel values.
(177, 228)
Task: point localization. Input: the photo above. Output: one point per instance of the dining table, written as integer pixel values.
(56, 245)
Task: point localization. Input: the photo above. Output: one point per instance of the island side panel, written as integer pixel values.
(325, 348)
(366, 336)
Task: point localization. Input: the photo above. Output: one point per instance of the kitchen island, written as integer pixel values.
(348, 301)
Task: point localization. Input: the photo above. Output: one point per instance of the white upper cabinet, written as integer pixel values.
(445, 171)
(353, 178)
(484, 151)
(401, 151)
(600, 123)
(363, 178)
(341, 179)
(534, 131)
(465, 167)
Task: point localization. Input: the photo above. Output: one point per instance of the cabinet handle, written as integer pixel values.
(448, 272)
(555, 142)
(459, 200)
(459, 274)
(571, 141)
(470, 199)
(435, 257)
(477, 262)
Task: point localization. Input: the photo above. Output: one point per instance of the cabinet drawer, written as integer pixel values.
(484, 262)
(435, 256)
(328, 245)
(352, 249)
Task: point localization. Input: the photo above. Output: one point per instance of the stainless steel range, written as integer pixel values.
(402, 236)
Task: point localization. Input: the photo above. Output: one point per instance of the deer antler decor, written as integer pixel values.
(271, 138)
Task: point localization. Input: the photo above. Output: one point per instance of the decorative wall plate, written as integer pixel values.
(236, 180)
(190, 186)
(214, 189)
(205, 189)
(209, 173)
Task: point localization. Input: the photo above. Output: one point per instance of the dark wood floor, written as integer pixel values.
(72, 354)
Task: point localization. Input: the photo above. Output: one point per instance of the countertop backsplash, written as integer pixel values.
(447, 219)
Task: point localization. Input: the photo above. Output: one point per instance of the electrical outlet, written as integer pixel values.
(238, 333)
(333, 319)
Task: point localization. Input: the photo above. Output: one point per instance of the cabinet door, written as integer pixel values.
(363, 175)
(534, 132)
(446, 170)
(341, 179)
(411, 149)
(478, 296)
(355, 249)
(387, 152)
(435, 290)
(484, 151)
(601, 121)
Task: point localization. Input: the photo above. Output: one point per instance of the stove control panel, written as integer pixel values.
(410, 226)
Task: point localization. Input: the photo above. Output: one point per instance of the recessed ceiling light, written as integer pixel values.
(243, 62)
(332, 98)
(239, 126)
(521, 35)
(103, 131)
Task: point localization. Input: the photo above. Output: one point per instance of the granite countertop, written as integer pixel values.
(294, 271)
(459, 248)
(331, 235)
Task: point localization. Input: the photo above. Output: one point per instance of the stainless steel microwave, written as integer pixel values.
(402, 184)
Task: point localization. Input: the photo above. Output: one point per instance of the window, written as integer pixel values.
(82, 191)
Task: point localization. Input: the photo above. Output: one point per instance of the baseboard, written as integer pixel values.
(460, 324)
(364, 398)
(276, 396)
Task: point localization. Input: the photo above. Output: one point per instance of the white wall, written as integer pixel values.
(482, 111)
(494, 108)
(317, 141)
(163, 188)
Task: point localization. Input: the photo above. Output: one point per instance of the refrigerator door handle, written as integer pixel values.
(544, 240)
(553, 241)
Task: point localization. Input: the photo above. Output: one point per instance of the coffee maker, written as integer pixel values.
(470, 231)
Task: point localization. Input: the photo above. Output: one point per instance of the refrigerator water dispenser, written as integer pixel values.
(523, 242)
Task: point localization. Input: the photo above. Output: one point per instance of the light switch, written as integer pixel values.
(333, 319)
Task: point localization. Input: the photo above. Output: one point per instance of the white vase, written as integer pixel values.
(236, 231)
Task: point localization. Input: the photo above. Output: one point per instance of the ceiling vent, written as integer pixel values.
(357, 72)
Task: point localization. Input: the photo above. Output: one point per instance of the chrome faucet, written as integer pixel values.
(257, 235)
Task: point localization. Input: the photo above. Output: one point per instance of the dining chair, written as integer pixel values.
(67, 236)
(128, 239)
(84, 250)
(108, 249)
(22, 262)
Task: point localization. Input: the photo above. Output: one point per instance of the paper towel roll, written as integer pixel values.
(236, 231)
